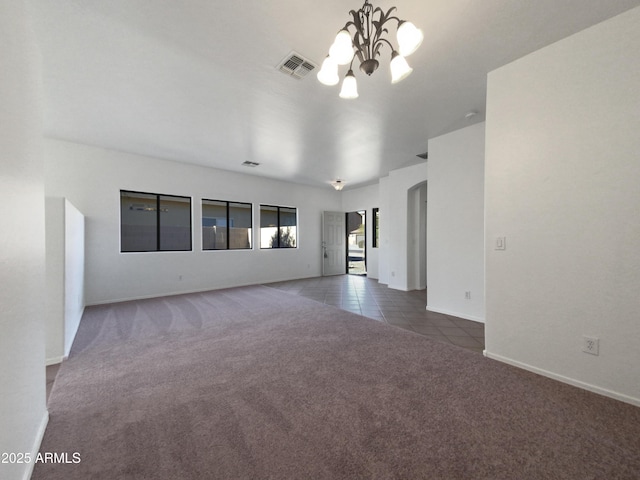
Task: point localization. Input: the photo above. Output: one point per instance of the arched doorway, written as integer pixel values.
(417, 237)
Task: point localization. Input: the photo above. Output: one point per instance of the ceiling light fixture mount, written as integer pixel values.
(370, 27)
(338, 184)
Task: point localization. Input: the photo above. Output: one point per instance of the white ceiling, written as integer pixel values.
(195, 81)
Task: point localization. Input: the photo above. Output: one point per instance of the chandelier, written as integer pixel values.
(370, 27)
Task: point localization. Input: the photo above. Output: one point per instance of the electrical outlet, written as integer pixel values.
(590, 345)
(467, 295)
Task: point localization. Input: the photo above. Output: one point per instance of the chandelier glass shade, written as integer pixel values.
(349, 86)
(328, 73)
(338, 184)
(400, 69)
(370, 31)
(409, 38)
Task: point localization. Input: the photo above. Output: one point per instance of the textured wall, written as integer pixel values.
(562, 176)
(22, 246)
(455, 230)
(91, 178)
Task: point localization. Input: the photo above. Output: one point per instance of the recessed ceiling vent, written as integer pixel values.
(296, 66)
(247, 163)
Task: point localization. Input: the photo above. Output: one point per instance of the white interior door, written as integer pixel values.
(334, 242)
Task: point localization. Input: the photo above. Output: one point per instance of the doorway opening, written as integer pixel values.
(417, 237)
(357, 242)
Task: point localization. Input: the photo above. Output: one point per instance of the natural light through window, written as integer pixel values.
(278, 227)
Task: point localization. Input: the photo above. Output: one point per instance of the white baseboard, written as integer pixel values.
(36, 446)
(571, 381)
(186, 292)
(456, 314)
(54, 360)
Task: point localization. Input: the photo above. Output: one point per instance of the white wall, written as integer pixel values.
(562, 184)
(73, 273)
(383, 249)
(365, 198)
(23, 415)
(54, 332)
(394, 224)
(91, 178)
(417, 237)
(455, 233)
(65, 276)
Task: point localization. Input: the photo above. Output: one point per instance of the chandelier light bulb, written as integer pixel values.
(342, 49)
(409, 38)
(400, 69)
(328, 74)
(349, 86)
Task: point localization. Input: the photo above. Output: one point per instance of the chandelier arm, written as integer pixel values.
(357, 22)
(379, 44)
(380, 29)
(361, 51)
(397, 19)
(378, 41)
(384, 17)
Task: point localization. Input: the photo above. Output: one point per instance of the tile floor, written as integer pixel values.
(367, 297)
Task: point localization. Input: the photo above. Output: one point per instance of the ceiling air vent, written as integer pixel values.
(247, 163)
(296, 66)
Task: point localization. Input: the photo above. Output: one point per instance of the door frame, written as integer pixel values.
(363, 214)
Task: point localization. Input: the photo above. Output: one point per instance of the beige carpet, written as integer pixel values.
(255, 383)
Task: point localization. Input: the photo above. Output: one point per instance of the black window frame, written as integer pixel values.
(158, 222)
(278, 227)
(227, 208)
(375, 227)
